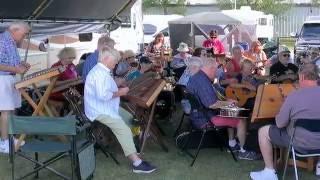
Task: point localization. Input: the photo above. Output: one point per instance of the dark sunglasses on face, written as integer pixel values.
(286, 55)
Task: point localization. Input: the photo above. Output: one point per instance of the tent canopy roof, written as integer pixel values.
(80, 10)
(56, 17)
(209, 18)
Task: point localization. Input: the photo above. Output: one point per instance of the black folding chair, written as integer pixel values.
(183, 93)
(76, 101)
(312, 125)
(198, 107)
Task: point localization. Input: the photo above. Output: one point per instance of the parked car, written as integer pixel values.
(308, 37)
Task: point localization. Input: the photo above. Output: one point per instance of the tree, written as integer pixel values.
(275, 7)
(177, 6)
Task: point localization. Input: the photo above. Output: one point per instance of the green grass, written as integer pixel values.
(211, 164)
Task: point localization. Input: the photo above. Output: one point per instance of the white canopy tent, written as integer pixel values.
(231, 28)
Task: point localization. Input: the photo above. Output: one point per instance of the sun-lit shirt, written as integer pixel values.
(9, 54)
(98, 93)
(89, 63)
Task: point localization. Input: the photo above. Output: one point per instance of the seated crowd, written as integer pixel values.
(207, 73)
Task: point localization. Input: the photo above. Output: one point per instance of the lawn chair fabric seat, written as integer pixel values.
(43, 126)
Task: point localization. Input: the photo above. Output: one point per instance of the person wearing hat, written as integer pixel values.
(283, 70)
(179, 60)
(214, 43)
(123, 67)
(144, 65)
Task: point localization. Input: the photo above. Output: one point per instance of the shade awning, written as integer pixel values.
(208, 18)
(82, 10)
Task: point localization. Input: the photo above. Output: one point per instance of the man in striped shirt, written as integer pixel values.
(101, 102)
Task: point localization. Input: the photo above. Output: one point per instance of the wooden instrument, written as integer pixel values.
(143, 93)
(39, 76)
(269, 100)
(239, 94)
(144, 90)
(62, 85)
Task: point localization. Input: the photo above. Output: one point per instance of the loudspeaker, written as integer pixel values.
(85, 37)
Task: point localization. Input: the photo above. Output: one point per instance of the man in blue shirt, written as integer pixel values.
(92, 59)
(10, 65)
(200, 85)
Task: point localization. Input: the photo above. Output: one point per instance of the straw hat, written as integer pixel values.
(183, 47)
(128, 54)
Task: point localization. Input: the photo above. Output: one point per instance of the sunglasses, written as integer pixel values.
(286, 55)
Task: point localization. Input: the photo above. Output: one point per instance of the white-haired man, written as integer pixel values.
(200, 85)
(10, 65)
(101, 102)
(92, 59)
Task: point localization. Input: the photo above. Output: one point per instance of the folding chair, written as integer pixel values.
(312, 125)
(197, 106)
(43, 126)
(183, 92)
(77, 106)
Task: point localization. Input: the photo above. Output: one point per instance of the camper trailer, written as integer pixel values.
(264, 22)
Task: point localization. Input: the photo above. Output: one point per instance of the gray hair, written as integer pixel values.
(106, 51)
(194, 61)
(310, 71)
(105, 41)
(208, 63)
(67, 52)
(237, 47)
(18, 25)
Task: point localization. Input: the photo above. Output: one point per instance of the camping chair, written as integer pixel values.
(77, 106)
(183, 92)
(197, 106)
(312, 125)
(43, 126)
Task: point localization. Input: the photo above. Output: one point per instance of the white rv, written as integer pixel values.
(264, 22)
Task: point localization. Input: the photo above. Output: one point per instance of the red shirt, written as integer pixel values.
(216, 44)
(69, 73)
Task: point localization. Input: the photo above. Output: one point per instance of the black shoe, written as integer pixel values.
(143, 168)
(249, 155)
(234, 149)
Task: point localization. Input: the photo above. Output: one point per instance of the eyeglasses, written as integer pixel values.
(71, 58)
(286, 55)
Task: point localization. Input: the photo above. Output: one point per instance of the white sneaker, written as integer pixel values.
(4, 146)
(266, 174)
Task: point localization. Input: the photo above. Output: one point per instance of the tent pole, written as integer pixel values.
(192, 35)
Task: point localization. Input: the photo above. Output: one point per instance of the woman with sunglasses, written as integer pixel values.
(214, 43)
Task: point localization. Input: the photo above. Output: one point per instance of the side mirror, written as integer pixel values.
(294, 35)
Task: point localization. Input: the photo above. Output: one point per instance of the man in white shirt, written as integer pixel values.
(101, 102)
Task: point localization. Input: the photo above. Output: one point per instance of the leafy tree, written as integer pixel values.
(175, 6)
(275, 7)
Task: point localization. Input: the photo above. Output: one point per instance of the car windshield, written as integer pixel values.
(310, 30)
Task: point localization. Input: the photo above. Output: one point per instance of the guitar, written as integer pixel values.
(239, 94)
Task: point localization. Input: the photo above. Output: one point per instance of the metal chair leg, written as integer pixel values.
(199, 147)
(36, 157)
(12, 151)
(295, 164)
(286, 165)
(179, 126)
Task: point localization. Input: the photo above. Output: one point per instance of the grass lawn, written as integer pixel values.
(211, 164)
